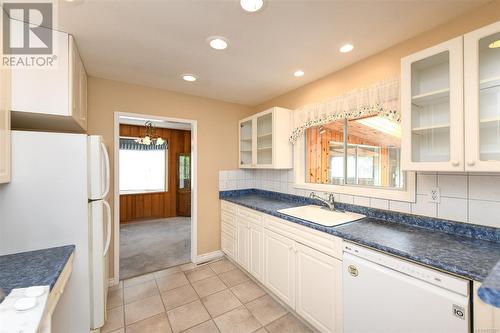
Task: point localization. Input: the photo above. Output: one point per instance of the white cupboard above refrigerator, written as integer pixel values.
(52, 99)
(450, 105)
(263, 140)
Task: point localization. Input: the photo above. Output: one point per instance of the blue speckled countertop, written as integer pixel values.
(471, 257)
(33, 268)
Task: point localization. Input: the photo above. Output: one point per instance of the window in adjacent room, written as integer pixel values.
(143, 168)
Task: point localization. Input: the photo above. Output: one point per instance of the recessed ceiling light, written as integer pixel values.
(251, 5)
(298, 73)
(217, 43)
(189, 77)
(495, 44)
(346, 48)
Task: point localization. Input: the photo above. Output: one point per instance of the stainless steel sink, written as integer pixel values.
(321, 215)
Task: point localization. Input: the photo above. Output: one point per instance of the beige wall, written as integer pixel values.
(217, 137)
(382, 65)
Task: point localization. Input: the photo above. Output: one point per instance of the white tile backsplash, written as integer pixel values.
(464, 197)
(423, 207)
(362, 201)
(454, 186)
(379, 203)
(425, 182)
(484, 188)
(484, 212)
(400, 206)
(452, 209)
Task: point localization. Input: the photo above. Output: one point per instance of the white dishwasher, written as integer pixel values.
(384, 294)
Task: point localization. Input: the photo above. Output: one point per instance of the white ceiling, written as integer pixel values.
(152, 42)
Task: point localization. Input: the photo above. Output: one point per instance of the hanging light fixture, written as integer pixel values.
(150, 137)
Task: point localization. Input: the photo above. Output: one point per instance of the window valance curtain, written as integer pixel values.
(379, 99)
(130, 144)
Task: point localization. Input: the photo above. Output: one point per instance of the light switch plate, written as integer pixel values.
(435, 195)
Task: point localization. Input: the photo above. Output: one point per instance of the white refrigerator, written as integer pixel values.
(57, 196)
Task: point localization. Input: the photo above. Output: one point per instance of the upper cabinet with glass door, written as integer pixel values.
(482, 99)
(432, 108)
(264, 140)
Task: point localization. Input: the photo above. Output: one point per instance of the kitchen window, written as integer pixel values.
(143, 168)
(354, 156)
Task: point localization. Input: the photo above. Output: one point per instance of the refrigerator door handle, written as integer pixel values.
(108, 229)
(106, 162)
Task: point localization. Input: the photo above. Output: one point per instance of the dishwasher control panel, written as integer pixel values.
(441, 279)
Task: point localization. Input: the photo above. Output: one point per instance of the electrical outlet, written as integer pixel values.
(435, 195)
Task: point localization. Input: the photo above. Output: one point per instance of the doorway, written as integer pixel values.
(155, 194)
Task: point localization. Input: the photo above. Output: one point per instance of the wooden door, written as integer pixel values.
(183, 184)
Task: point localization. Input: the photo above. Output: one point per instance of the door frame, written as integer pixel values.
(116, 190)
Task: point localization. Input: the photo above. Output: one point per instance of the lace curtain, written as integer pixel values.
(379, 99)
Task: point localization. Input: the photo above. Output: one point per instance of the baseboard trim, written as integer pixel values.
(201, 258)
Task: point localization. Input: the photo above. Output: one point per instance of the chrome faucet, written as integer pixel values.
(330, 202)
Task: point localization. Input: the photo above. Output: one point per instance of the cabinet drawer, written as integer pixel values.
(228, 245)
(327, 244)
(250, 215)
(228, 207)
(229, 229)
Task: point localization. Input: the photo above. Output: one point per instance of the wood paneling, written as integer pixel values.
(143, 206)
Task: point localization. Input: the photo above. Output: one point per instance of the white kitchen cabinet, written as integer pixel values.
(229, 230)
(4, 125)
(263, 140)
(243, 239)
(279, 266)
(319, 289)
(256, 251)
(482, 99)
(432, 108)
(52, 98)
(299, 265)
(486, 317)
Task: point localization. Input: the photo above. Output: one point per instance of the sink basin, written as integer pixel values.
(321, 215)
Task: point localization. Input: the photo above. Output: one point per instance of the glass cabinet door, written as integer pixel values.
(246, 143)
(265, 139)
(482, 98)
(432, 108)
(482, 63)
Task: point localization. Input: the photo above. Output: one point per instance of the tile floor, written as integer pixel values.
(215, 297)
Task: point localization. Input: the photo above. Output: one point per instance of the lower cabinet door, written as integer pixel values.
(279, 266)
(228, 245)
(319, 289)
(243, 243)
(256, 266)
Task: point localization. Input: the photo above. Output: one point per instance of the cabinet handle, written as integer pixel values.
(455, 163)
(471, 163)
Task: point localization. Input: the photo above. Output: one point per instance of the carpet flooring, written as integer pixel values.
(150, 246)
